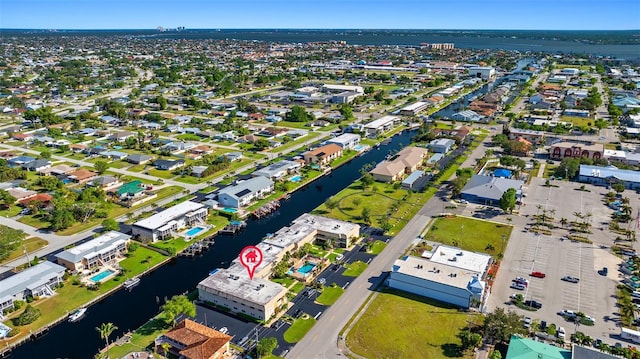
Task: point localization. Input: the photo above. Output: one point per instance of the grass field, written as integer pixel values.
(355, 269)
(400, 325)
(578, 121)
(160, 173)
(142, 338)
(330, 295)
(31, 244)
(298, 329)
(377, 247)
(470, 234)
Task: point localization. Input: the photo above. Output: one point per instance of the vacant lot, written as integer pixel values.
(400, 325)
(470, 234)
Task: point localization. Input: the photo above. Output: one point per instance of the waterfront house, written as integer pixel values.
(323, 155)
(244, 192)
(346, 140)
(101, 251)
(406, 161)
(277, 171)
(191, 340)
(167, 223)
(37, 281)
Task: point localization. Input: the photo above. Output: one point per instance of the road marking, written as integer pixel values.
(331, 317)
(315, 337)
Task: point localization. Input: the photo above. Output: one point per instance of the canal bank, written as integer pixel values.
(129, 310)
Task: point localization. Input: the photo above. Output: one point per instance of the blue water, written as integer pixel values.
(358, 147)
(296, 178)
(100, 276)
(305, 269)
(66, 180)
(195, 230)
(229, 210)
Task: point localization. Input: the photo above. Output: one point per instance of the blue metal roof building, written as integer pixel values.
(606, 176)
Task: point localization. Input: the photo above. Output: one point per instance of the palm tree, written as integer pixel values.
(105, 331)
(577, 215)
(165, 349)
(563, 222)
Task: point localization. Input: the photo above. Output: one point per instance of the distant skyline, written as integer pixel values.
(322, 14)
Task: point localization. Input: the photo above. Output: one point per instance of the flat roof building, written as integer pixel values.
(346, 140)
(278, 170)
(414, 109)
(380, 126)
(97, 252)
(166, 223)
(606, 176)
(447, 274)
(244, 192)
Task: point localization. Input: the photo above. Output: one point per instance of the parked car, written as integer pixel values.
(533, 304)
(568, 278)
(597, 343)
(543, 325)
(561, 333)
(522, 281)
(538, 274)
(518, 286)
(527, 322)
(567, 313)
(25, 211)
(604, 271)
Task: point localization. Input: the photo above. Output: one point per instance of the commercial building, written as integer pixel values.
(231, 288)
(380, 126)
(244, 192)
(166, 223)
(414, 108)
(406, 161)
(342, 88)
(346, 140)
(278, 170)
(447, 274)
(606, 176)
(36, 281)
(563, 150)
(535, 137)
(523, 348)
(191, 340)
(323, 155)
(489, 189)
(100, 251)
(484, 73)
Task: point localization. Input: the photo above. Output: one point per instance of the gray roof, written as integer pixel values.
(611, 171)
(29, 278)
(138, 157)
(580, 352)
(97, 245)
(415, 175)
(36, 164)
(276, 169)
(171, 213)
(103, 180)
(249, 186)
(234, 282)
(490, 187)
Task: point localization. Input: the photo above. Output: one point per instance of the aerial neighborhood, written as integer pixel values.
(486, 196)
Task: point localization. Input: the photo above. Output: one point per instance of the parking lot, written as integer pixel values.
(594, 294)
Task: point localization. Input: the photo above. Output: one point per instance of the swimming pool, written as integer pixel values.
(229, 210)
(305, 269)
(66, 180)
(358, 147)
(194, 231)
(296, 178)
(102, 275)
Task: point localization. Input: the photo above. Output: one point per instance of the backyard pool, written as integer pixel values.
(305, 269)
(194, 231)
(296, 178)
(66, 180)
(102, 275)
(229, 210)
(358, 148)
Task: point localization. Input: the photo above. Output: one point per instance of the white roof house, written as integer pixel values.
(35, 281)
(160, 219)
(242, 193)
(342, 88)
(278, 170)
(110, 243)
(346, 140)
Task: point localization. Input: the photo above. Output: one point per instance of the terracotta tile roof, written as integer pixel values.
(326, 151)
(42, 197)
(82, 174)
(200, 341)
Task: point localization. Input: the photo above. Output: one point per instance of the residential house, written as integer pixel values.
(26, 137)
(20, 193)
(138, 159)
(37, 281)
(114, 155)
(101, 251)
(58, 170)
(323, 155)
(129, 190)
(197, 171)
(191, 340)
(37, 165)
(534, 137)
(197, 152)
(460, 132)
(120, 136)
(441, 145)
(78, 147)
(346, 140)
(81, 175)
(167, 223)
(105, 182)
(278, 170)
(19, 161)
(467, 116)
(406, 161)
(43, 200)
(168, 165)
(244, 192)
(178, 146)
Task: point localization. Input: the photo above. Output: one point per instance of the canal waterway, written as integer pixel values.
(129, 310)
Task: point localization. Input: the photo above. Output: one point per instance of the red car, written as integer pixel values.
(538, 274)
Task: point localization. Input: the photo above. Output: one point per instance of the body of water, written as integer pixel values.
(128, 310)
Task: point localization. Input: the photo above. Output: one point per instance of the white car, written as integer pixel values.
(517, 286)
(567, 313)
(527, 322)
(561, 333)
(523, 281)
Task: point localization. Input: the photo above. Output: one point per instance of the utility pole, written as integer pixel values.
(24, 250)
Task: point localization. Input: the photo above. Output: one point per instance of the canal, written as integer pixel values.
(129, 310)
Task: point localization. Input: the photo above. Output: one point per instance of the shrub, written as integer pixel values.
(14, 332)
(18, 304)
(29, 316)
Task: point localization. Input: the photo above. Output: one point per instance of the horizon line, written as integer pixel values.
(302, 28)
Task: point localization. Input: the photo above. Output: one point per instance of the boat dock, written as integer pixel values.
(266, 209)
(197, 248)
(233, 228)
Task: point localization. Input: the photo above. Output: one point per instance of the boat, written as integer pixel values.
(131, 282)
(77, 315)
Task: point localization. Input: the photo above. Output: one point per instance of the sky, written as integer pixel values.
(322, 14)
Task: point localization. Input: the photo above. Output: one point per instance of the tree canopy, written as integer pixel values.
(508, 200)
(177, 305)
(298, 114)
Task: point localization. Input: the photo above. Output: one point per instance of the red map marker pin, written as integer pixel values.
(250, 258)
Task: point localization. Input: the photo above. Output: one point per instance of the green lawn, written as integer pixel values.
(297, 288)
(142, 338)
(330, 294)
(137, 168)
(377, 247)
(12, 211)
(32, 244)
(578, 121)
(298, 329)
(286, 282)
(160, 173)
(455, 231)
(355, 269)
(401, 325)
